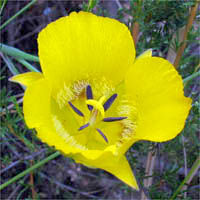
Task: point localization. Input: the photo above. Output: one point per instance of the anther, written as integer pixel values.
(109, 102)
(89, 95)
(76, 110)
(102, 134)
(113, 119)
(84, 126)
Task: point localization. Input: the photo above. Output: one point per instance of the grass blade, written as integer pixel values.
(188, 178)
(27, 65)
(27, 171)
(11, 51)
(17, 14)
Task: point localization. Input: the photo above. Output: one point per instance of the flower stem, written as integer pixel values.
(35, 166)
(187, 28)
(189, 78)
(188, 178)
(11, 51)
(17, 14)
(150, 164)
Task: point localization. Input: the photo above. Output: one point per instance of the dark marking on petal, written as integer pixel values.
(109, 102)
(76, 110)
(102, 134)
(89, 96)
(113, 119)
(84, 126)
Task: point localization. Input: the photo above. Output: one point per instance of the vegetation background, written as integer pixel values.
(162, 25)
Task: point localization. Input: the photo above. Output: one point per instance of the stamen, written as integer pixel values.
(84, 126)
(113, 119)
(109, 102)
(104, 137)
(76, 110)
(89, 96)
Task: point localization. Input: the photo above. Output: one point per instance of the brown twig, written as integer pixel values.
(136, 25)
(187, 28)
(149, 171)
(171, 54)
(135, 32)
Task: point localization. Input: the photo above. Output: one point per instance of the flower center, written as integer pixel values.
(97, 110)
(94, 117)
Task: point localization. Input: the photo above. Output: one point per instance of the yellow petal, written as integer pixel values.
(38, 114)
(118, 166)
(82, 46)
(55, 127)
(157, 89)
(36, 103)
(27, 78)
(146, 54)
(55, 134)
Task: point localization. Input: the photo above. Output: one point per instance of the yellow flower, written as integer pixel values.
(94, 99)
